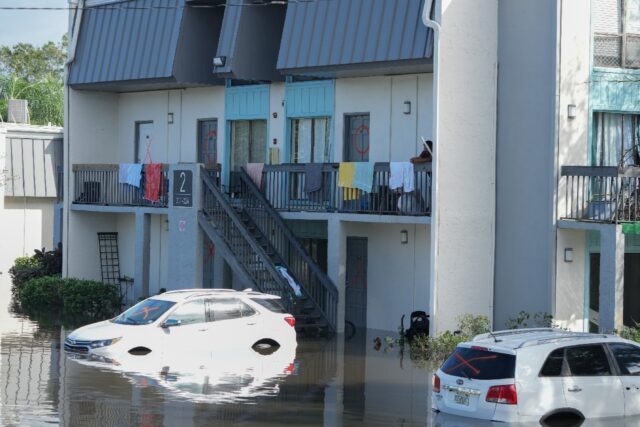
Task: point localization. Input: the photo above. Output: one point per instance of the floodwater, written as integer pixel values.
(319, 383)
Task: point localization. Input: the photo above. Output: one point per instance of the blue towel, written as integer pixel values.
(363, 177)
(130, 173)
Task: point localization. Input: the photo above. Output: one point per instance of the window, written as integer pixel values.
(616, 41)
(270, 304)
(310, 140)
(208, 141)
(616, 139)
(628, 358)
(480, 364)
(248, 139)
(356, 138)
(553, 365)
(144, 312)
(588, 360)
(226, 309)
(144, 139)
(190, 313)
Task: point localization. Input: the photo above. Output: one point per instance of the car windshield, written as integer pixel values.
(479, 364)
(144, 312)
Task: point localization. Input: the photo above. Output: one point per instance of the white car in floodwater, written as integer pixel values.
(191, 321)
(538, 375)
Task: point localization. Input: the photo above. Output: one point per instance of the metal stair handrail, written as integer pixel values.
(233, 223)
(302, 267)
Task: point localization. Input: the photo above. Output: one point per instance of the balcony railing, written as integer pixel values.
(98, 184)
(616, 50)
(600, 194)
(283, 185)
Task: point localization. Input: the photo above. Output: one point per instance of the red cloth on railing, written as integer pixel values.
(153, 179)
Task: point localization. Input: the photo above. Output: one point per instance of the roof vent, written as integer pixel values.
(18, 111)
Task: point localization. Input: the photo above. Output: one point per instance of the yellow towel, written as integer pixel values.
(346, 174)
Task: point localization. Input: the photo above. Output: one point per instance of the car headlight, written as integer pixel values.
(104, 343)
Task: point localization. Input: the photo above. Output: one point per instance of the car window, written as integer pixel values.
(270, 304)
(628, 358)
(190, 313)
(588, 360)
(480, 364)
(553, 365)
(145, 312)
(227, 308)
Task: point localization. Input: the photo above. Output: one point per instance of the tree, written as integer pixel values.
(35, 74)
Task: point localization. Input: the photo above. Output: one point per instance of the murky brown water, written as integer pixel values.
(321, 382)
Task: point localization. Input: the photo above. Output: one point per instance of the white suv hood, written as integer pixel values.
(104, 330)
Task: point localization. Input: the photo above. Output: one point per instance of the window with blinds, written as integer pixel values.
(616, 40)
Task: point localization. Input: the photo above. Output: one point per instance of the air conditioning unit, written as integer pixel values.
(18, 111)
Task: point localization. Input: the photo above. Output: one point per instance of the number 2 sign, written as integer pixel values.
(182, 188)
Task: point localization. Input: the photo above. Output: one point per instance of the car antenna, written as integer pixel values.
(495, 339)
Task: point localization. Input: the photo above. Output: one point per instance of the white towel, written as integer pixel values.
(130, 173)
(395, 177)
(294, 286)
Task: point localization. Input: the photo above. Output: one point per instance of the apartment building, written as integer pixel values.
(211, 90)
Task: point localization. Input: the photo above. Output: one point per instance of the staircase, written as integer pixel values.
(253, 239)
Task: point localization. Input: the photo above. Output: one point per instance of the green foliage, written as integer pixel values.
(524, 320)
(41, 263)
(84, 298)
(35, 74)
(471, 325)
(90, 298)
(630, 332)
(41, 292)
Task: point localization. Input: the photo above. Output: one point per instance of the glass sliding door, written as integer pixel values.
(248, 145)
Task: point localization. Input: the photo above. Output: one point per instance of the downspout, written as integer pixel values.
(73, 43)
(428, 9)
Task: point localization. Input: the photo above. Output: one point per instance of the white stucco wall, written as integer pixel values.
(394, 136)
(397, 274)
(571, 279)
(464, 218)
(82, 256)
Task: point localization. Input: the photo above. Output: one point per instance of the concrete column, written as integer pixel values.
(337, 262)
(611, 278)
(142, 251)
(185, 235)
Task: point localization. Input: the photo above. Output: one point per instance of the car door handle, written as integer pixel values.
(575, 388)
(202, 330)
(251, 323)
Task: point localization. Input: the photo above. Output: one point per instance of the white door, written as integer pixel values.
(233, 324)
(144, 143)
(190, 332)
(628, 358)
(592, 387)
(533, 396)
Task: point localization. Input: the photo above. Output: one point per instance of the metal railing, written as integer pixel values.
(313, 280)
(226, 227)
(98, 184)
(600, 194)
(616, 50)
(283, 186)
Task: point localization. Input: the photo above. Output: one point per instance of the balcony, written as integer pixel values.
(600, 194)
(98, 184)
(283, 186)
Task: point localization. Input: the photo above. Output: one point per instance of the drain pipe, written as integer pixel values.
(73, 43)
(428, 9)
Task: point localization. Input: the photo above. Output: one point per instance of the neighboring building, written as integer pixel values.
(317, 82)
(30, 190)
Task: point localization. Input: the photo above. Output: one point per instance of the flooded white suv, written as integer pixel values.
(535, 375)
(189, 321)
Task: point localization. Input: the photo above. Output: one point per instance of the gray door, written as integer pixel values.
(208, 142)
(356, 138)
(356, 284)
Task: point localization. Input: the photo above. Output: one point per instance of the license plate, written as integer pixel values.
(461, 399)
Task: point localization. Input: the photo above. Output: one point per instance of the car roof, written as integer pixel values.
(185, 294)
(519, 338)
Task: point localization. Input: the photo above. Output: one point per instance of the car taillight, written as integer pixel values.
(436, 383)
(503, 394)
(291, 321)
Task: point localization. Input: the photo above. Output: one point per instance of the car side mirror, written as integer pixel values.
(170, 323)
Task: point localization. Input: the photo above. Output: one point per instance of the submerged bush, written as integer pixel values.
(42, 263)
(75, 297)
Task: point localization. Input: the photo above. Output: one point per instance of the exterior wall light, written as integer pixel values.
(571, 111)
(219, 61)
(407, 107)
(568, 254)
(170, 118)
(404, 237)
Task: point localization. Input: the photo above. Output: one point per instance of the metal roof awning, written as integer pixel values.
(140, 45)
(350, 38)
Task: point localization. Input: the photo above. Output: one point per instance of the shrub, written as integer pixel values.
(471, 325)
(41, 263)
(90, 298)
(630, 332)
(85, 298)
(540, 320)
(41, 292)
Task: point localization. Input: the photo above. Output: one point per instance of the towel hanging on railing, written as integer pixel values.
(130, 173)
(152, 181)
(401, 175)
